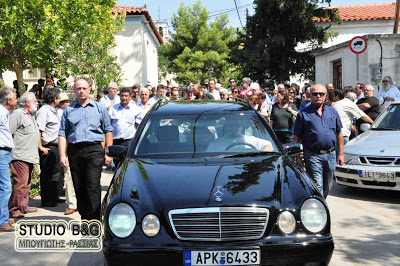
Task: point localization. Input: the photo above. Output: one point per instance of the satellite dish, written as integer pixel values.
(397, 48)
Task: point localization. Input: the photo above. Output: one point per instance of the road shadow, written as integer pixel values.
(368, 247)
(364, 194)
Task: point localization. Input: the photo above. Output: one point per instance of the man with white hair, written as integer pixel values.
(255, 88)
(224, 94)
(246, 82)
(26, 136)
(8, 99)
(144, 104)
(388, 93)
(112, 97)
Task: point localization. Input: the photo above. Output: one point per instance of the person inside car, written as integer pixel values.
(234, 138)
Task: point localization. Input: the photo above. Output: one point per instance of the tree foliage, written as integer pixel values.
(269, 49)
(31, 33)
(199, 50)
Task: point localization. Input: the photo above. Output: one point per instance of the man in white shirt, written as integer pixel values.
(212, 89)
(347, 111)
(360, 91)
(112, 97)
(145, 104)
(387, 94)
(233, 138)
(125, 118)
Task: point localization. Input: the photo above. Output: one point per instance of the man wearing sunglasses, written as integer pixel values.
(319, 129)
(387, 94)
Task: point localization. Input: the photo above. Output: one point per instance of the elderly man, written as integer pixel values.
(246, 82)
(348, 111)
(145, 104)
(8, 99)
(125, 118)
(49, 125)
(369, 104)
(83, 126)
(199, 94)
(112, 97)
(319, 128)
(212, 89)
(224, 94)
(25, 133)
(387, 94)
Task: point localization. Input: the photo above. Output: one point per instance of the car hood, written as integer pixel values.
(375, 143)
(271, 181)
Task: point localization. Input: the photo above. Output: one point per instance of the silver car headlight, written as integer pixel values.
(151, 225)
(313, 215)
(351, 159)
(286, 222)
(122, 220)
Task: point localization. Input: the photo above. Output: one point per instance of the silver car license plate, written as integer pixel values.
(380, 176)
(226, 257)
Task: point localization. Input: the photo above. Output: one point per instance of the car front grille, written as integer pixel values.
(219, 223)
(379, 160)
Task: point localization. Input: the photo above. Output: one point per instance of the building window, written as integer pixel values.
(35, 73)
(337, 74)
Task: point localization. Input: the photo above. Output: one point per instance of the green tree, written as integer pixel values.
(32, 31)
(199, 50)
(269, 49)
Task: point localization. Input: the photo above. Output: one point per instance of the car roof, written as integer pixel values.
(201, 107)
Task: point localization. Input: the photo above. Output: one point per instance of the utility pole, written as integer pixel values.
(396, 19)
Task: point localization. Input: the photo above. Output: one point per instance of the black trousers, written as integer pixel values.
(49, 173)
(284, 136)
(86, 161)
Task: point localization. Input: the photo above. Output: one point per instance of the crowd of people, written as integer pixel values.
(67, 135)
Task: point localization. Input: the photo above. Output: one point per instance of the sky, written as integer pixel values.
(163, 9)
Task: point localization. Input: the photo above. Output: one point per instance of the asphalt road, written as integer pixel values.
(365, 226)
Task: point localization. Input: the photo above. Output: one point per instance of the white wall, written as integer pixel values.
(368, 60)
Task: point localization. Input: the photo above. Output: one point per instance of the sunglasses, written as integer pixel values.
(235, 92)
(318, 93)
(386, 81)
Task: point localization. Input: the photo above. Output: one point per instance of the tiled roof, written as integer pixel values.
(382, 11)
(140, 10)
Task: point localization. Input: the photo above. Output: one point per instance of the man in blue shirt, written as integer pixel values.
(318, 127)
(8, 99)
(83, 125)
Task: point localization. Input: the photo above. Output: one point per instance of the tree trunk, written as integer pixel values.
(20, 78)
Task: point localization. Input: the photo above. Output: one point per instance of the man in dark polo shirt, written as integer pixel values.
(83, 126)
(200, 95)
(318, 127)
(369, 104)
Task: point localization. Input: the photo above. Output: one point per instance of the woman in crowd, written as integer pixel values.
(263, 107)
(254, 101)
(283, 115)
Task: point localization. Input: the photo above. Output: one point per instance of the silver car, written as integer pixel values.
(372, 159)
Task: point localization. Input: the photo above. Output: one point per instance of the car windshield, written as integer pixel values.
(389, 119)
(198, 136)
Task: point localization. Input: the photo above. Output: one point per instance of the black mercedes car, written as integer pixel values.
(208, 183)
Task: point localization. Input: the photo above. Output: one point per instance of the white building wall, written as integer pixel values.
(369, 60)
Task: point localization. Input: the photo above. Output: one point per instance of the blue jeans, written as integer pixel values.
(5, 185)
(321, 167)
(345, 140)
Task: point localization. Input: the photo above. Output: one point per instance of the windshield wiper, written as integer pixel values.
(251, 154)
(385, 128)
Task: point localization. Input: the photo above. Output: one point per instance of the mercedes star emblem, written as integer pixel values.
(218, 192)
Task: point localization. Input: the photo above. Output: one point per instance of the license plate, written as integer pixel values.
(380, 176)
(226, 257)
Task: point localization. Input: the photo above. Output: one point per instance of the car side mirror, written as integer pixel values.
(116, 151)
(365, 126)
(293, 148)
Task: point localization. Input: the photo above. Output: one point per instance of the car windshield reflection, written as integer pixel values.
(389, 119)
(199, 136)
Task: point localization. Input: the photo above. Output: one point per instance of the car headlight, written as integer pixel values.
(122, 220)
(351, 159)
(313, 215)
(286, 222)
(151, 225)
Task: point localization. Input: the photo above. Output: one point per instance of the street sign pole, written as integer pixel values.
(358, 67)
